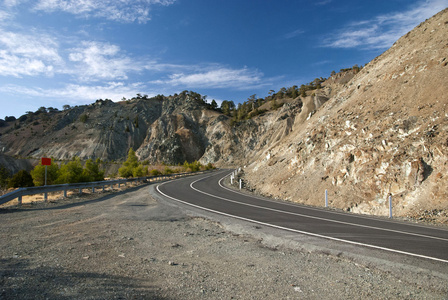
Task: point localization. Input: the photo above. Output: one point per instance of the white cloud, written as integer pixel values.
(216, 77)
(77, 94)
(96, 60)
(111, 90)
(293, 34)
(4, 15)
(39, 54)
(116, 10)
(11, 3)
(382, 31)
(28, 54)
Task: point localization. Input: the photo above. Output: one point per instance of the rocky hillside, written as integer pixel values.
(362, 135)
(161, 129)
(383, 132)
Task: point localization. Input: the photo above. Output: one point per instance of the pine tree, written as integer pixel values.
(127, 170)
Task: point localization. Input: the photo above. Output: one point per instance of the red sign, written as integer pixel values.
(46, 161)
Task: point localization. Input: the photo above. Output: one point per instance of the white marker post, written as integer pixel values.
(390, 206)
(241, 184)
(326, 198)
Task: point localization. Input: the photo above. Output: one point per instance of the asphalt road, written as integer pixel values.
(207, 192)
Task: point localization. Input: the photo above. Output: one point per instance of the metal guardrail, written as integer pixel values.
(19, 193)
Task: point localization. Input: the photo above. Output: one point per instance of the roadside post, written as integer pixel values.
(326, 198)
(390, 206)
(45, 161)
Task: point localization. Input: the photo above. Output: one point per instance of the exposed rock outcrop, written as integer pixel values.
(168, 129)
(384, 131)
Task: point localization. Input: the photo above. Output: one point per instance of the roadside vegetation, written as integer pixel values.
(70, 172)
(74, 171)
(133, 168)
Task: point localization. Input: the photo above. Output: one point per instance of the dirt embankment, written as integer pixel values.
(126, 245)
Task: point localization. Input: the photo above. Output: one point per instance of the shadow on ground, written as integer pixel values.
(20, 280)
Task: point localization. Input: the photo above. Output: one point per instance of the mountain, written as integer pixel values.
(362, 134)
(161, 129)
(385, 131)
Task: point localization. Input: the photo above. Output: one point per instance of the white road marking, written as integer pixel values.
(317, 209)
(294, 230)
(312, 217)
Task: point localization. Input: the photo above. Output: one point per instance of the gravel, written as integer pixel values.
(130, 245)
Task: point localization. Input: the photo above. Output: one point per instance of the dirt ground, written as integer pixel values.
(129, 245)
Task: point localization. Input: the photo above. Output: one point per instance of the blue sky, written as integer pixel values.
(57, 52)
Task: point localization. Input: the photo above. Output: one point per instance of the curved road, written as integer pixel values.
(207, 192)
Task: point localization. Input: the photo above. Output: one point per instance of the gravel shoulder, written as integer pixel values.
(131, 245)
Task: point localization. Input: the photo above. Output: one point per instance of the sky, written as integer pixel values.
(73, 52)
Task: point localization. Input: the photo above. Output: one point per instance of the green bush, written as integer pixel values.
(193, 167)
(138, 171)
(127, 170)
(71, 172)
(92, 172)
(168, 171)
(84, 118)
(38, 174)
(155, 172)
(21, 179)
(209, 166)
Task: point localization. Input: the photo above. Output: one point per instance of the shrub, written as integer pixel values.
(91, 171)
(83, 118)
(138, 171)
(155, 172)
(71, 172)
(127, 170)
(209, 166)
(38, 174)
(10, 119)
(168, 171)
(21, 179)
(193, 167)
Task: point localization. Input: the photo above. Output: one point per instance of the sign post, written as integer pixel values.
(46, 162)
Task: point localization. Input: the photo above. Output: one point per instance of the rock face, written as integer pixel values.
(162, 129)
(14, 165)
(385, 131)
(362, 136)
